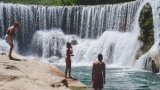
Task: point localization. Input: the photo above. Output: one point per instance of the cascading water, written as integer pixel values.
(48, 43)
(144, 61)
(108, 29)
(115, 46)
(5, 46)
(84, 21)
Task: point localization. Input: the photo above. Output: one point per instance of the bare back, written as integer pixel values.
(98, 67)
(10, 31)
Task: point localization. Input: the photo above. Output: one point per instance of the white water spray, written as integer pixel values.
(108, 29)
(144, 62)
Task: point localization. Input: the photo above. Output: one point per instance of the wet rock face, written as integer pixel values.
(147, 8)
(152, 63)
(74, 42)
(146, 25)
(155, 68)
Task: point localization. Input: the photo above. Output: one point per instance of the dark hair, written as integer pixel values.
(68, 44)
(100, 57)
(17, 24)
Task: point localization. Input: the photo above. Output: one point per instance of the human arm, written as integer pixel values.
(104, 73)
(71, 55)
(10, 35)
(7, 32)
(71, 51)
(10, 32)
(67, 53)
(92, 71)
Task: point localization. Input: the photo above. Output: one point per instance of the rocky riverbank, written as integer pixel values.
(23, 73)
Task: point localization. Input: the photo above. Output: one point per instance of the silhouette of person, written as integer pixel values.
(98, 73)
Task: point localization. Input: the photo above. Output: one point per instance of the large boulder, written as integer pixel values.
(154, 60)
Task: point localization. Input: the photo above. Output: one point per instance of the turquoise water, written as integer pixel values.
(118, 78)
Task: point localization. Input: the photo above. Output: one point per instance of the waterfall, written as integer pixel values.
(108, 29)
(144, 61)
(5, 46)
(83, 21)
(115, 46)
(48, 43)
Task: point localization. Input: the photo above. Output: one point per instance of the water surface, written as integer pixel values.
(119, 78)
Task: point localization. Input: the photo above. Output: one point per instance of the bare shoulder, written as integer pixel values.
(103, 63)
(94, 62)
(10, 28)
(67, 49)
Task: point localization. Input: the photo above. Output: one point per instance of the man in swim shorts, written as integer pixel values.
(9, 37)
(98, 73)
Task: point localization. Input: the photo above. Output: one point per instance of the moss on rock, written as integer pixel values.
(146, 25)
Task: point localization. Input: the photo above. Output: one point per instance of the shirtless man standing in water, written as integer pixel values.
(98, 73)
(9, 37)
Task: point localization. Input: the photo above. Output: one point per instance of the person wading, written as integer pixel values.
(98, 73)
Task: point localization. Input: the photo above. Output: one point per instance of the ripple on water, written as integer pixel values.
(119, 79)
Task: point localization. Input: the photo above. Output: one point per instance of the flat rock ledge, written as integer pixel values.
(23, 73)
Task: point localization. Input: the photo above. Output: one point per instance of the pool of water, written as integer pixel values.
(118, 78)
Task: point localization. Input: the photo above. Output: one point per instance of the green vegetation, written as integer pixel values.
(96, 2)
(146, 24)
(38, 2)
(65, 2)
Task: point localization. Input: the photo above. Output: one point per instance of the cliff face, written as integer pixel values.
(155, 58)
(23, 73)
(146, 25)
(146, 36)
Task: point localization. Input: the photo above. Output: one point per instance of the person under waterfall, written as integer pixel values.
(68, 59)
(98, 73)
(9, 37)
